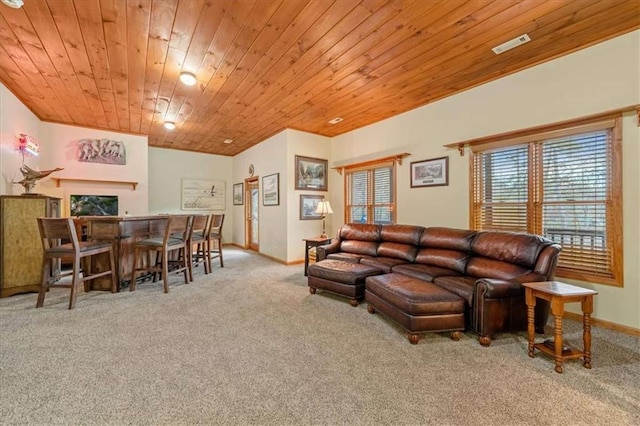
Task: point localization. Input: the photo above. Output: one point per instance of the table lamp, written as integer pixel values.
(323, 208)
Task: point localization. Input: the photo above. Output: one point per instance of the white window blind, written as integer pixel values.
(566, 188)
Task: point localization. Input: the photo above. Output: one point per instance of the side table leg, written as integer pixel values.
(306, 258)
(557, 309)
(587, 308)
(558, 343)
(531, 304)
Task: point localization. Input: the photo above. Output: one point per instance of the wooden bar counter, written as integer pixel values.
(123, 232)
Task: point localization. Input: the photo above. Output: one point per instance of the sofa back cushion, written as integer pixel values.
(400, 241)
(368, 248)
(447, 238)
(404, 234)
(504, 255)
(359, 238)
(360, 232)
(448, 259)
(445, 247)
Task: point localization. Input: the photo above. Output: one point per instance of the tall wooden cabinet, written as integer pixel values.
(20, 246)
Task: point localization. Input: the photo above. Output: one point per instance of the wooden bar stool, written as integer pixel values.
(215, 235)
(199, 232)
(52, 231)
(175, 239)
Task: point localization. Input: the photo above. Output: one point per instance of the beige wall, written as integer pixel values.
(268, 157)
(167, 168)
(15, 118)
(307, 145)
(594, 80)
(60, 149)
(281, 230)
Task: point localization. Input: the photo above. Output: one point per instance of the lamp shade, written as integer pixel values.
(323, 208)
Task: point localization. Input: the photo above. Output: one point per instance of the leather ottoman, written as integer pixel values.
(416, 305)
(340, 277)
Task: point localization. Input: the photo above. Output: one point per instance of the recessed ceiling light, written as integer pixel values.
(335, 120)
(524, 38)
(16, 4)
(227, 141)
(169, 125)
(188, 78)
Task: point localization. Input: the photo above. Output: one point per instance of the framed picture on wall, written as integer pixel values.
(238, 194)
(308, 204)
(202, 194)
(433, 172)
(311, 173)
(271, 190)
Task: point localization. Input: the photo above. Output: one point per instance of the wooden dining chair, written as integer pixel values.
(52, 232)
(215, 238)
(174, 242)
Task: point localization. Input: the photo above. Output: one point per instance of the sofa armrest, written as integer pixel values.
(491, 288)
(324, 250)
(498, 306)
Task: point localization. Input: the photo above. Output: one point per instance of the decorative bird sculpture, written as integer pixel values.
(30, 177)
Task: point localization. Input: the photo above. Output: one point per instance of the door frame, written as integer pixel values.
(247, 211)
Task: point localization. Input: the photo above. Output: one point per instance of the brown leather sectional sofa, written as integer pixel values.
(438, 279)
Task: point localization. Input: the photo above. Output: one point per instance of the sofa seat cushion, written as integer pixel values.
(345, 257)
(342, 272)
(414, 296)
(423, 272)
(462, 286)
(385, 264)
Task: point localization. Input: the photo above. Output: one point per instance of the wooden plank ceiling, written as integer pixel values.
(266, 65)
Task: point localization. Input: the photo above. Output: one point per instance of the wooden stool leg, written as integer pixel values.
(44, 284)
(112, 262)
(207, 248)
(188, 259)
(85, 273)
(165, 271)
(75, 283)
(587, 308)
(132, 284)
(220, 250)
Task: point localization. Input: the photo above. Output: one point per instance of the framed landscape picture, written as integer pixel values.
(311, 173)
(237, 194)
(308, 204)
(433, 172)
(271, 190)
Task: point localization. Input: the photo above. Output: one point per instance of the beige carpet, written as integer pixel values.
(249, 345)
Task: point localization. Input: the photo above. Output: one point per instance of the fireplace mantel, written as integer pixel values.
(59, 180)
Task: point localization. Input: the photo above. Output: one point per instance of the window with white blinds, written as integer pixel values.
(564, 185)
(369, 193)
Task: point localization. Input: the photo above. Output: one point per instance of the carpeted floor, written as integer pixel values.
(248, 344)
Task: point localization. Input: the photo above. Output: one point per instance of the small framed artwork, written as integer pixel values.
(308, 204)
(311, 173)
(271, 190)
(237, 194)
(433, 172)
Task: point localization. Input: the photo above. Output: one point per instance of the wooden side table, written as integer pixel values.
(312, 242)
(558, 294)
